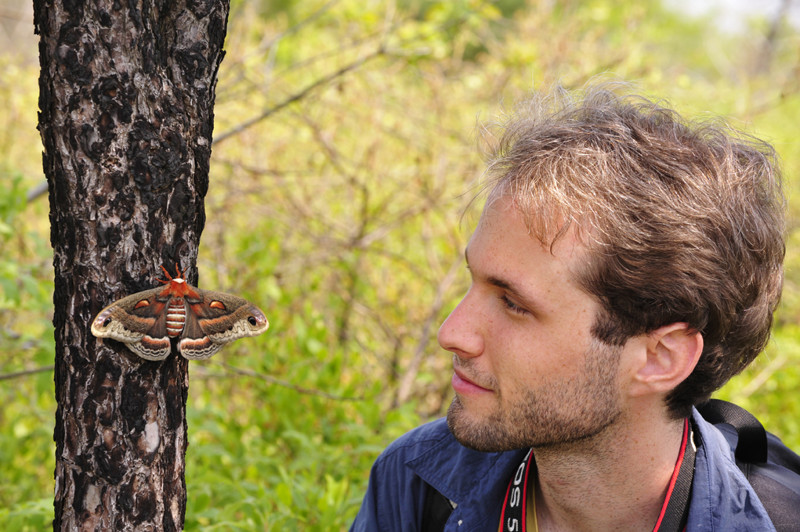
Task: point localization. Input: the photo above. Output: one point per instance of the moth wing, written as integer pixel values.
(198, 348)
(151, 348)
(218, 319)
(138, 321)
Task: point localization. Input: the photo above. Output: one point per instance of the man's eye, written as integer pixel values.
(510, 305)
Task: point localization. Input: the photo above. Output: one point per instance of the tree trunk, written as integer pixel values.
(126, 116)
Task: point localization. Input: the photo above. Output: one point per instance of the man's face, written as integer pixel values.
(527, 371)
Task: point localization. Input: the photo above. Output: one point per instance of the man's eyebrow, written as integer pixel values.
(505, 285)
(502, 283)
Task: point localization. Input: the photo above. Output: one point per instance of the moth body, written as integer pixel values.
(176, 317)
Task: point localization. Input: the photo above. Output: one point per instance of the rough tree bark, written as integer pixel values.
(126, 115)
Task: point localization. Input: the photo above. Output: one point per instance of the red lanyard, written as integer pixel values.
(513, 516)
(674, 511)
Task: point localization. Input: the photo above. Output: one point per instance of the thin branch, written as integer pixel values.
(297, 27)
(764, 61)
(37, 191)
(407, 382)
(298, 96)
(25, 373)
(270, 45)
(286, 384)
(764, 375)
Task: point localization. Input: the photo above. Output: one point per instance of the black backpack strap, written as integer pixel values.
(436, 511)
(771, 468)
(677, 511)
(752, 444)
(782, 504)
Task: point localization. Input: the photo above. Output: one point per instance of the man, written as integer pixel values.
(627, 263)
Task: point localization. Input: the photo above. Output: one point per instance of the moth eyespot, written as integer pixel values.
(252, 321)
(217, 304)
(142, 303)
(107, 322)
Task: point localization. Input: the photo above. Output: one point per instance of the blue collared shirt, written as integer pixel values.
(475, 482)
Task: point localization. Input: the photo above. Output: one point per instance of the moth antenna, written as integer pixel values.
(178, 270)
(169, 277)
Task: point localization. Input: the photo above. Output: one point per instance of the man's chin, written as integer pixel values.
(471, 433)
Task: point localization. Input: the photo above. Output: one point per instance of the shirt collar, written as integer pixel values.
(475, 481)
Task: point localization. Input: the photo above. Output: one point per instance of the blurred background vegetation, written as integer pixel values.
(345, 155)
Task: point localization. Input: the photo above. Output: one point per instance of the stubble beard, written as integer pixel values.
(555, 413)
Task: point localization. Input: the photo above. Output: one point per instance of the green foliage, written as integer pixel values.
(340, 213)
(26, 338)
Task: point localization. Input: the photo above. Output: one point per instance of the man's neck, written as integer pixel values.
(616, 480)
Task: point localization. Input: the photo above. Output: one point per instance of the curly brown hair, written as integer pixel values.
(683, 221)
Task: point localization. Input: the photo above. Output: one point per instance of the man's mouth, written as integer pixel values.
(462, 384)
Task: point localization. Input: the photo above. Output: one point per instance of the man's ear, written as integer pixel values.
(672, 352)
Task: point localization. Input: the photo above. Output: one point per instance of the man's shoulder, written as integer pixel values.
(722, 498)
(396, 491)
(749, 463)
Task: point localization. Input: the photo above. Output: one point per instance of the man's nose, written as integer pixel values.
(462, 331)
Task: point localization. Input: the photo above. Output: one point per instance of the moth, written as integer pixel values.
(198, 322)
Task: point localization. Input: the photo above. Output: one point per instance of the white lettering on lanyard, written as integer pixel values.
(515, 497)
